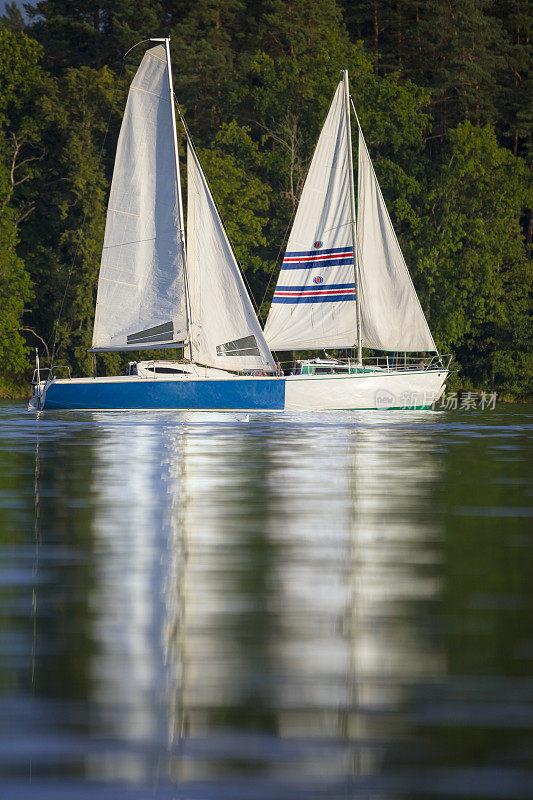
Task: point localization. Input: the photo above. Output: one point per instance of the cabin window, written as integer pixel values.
(167, 370)
(330, 370)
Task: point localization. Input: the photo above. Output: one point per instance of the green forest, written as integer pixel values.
(444, 93)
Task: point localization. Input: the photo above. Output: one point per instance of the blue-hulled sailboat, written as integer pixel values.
(154, 291)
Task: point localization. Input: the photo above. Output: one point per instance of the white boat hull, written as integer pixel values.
(376, 390)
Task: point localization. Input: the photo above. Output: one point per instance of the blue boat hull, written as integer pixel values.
(240, 394)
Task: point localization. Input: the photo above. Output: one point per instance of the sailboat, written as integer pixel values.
(344, 284)
(341, 283)
(155, 290)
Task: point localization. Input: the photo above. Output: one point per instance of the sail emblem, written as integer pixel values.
(318, 244)
(247, 346)
(159, 333)
(318, 279)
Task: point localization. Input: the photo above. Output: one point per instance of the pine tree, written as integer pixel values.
(456, 48)
(93, 33)
(516, 18)
(205, 47)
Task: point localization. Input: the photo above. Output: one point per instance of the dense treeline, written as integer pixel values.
(444, 93)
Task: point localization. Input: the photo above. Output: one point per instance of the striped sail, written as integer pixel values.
(314, 301)
(318, 292)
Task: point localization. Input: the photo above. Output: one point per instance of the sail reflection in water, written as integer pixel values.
(231, 607)
(284, 630)
(127, 666)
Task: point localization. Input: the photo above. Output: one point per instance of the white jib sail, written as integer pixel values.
(225, 331)
(314, 301)
(141, 298)
(391, 315)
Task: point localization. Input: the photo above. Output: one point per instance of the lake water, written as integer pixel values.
(279, 606)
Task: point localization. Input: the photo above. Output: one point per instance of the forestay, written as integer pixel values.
(314, 301)
(225, 331)
(141, 286)
(391, 316)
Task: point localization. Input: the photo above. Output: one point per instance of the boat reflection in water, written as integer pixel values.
(289, 588)
(258, 608)
(127, 663)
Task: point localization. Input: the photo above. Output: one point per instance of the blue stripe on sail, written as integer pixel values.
(334, 262)
(347, 249)
(334, 298)
(315, 287)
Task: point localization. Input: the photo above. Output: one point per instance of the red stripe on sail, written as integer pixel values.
(317, 292)
(333, 256)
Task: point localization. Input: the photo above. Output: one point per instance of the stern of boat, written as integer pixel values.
(42, 378)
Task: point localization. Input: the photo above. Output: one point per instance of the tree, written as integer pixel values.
(64, 239)
(232, 166)
(12, 18)
(20, 150)
(516, 96)
(456, 48)
(471, 260)
(92, 33)
(438, 85)
(205, 47)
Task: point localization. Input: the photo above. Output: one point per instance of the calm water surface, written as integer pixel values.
(205, 606)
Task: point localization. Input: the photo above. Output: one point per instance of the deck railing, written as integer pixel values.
(397, 362)
(385, 363)
(402, 362)
(48, 373)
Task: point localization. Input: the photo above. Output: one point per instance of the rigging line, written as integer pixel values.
(133, 47)
(362, 136)
(81, 230)
(189, 139)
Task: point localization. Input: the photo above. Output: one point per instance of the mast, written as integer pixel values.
(181, 221)
(353, 217)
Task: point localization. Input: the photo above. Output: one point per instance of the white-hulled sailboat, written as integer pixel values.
(155, 292)
(326, 298)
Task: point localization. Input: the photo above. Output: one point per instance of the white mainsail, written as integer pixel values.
(314, 301)
(141, 296)
(391, 315)
(225, 331)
